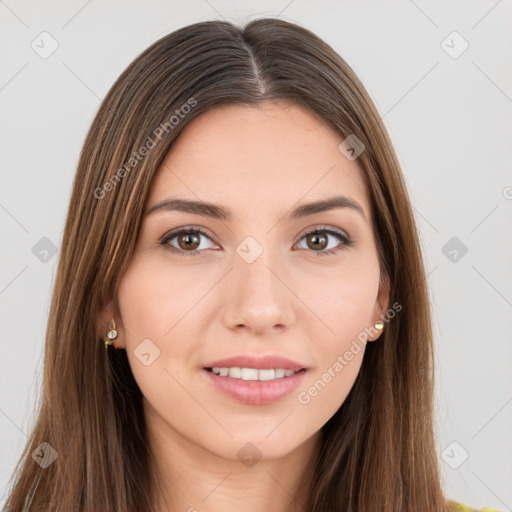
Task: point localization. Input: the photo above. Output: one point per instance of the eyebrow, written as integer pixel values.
(222, 213)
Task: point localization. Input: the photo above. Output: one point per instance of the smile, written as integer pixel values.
(252, 373)
(254, 386)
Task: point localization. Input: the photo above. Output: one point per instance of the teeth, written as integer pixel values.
(236, 373)
(252, 373)
(249, 374)
(266, 374)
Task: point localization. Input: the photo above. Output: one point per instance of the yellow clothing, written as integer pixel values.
(460, 507)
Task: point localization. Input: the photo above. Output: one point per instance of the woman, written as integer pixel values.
(240, 316)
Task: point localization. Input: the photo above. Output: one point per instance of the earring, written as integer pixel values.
(111, 335)
(378, 325)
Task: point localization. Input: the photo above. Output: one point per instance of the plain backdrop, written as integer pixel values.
(440, 75)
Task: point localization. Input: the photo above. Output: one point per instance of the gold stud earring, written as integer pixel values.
(112, 334)
(379, 325)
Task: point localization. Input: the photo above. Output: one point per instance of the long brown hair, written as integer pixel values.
(378, 450)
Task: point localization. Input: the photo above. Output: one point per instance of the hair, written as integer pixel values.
(378, 450)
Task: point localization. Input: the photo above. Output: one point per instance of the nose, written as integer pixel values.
(259, 299)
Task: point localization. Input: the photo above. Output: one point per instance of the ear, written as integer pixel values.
(382, 301)
(108, 313)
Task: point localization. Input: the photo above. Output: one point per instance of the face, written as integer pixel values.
(255, 283)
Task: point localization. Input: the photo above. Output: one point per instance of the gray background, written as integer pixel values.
(449, 118)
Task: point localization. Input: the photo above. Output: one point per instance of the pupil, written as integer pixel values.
(190, 240)
(316, 238)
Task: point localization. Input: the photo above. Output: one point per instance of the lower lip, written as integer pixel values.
(256, 392)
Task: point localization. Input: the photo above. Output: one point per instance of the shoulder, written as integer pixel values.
(460, 507)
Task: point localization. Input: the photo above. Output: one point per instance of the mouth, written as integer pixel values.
(251, 374)
(254, 386)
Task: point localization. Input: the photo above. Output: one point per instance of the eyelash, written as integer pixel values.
(340, 235)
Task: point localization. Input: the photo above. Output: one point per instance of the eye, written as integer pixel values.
(318, 240)
(188, 241)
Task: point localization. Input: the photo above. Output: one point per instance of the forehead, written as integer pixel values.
(276, 152)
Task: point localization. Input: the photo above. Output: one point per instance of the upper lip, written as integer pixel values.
(260, 362)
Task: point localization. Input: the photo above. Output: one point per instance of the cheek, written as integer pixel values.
(338, 358)
(343, 304)
(328, 386)
(341, 300)
(160, 311)
(151, 310)
(138, 297)
(155, 302)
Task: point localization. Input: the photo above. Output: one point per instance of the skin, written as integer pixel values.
(260, 162)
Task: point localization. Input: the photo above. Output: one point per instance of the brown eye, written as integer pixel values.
(188, 241)
(316, 241)
(185, 241)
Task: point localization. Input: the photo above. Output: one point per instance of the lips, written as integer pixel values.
(260, 362)
(255, 392)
